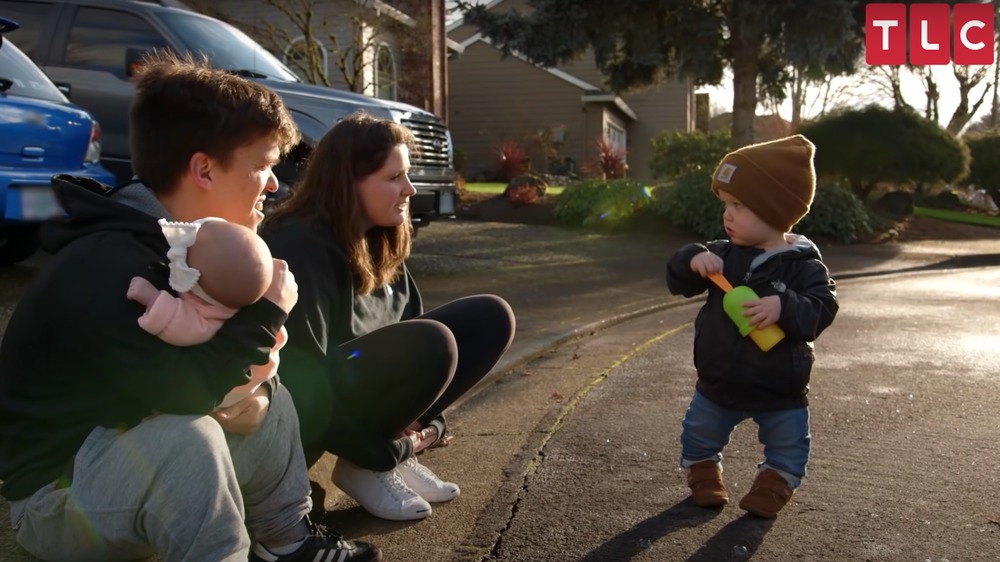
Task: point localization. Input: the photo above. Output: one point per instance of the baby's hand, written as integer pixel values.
(706, 263)
(283, 290)
(142, 291)
(763, 312)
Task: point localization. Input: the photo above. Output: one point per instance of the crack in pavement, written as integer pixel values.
(539, 457)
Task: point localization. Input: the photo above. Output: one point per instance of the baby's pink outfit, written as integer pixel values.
(190, 320)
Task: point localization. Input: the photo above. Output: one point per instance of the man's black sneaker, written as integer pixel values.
(324, 545)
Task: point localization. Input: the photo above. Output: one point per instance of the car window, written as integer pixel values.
(31, 17)
(25, 79)
(225, 46)
(99, 39)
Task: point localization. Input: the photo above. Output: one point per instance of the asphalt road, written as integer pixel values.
(904, 466)
(572, 456)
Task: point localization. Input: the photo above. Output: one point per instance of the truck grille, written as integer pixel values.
(432, 141)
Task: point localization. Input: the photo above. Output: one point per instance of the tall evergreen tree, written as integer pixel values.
(637, 42)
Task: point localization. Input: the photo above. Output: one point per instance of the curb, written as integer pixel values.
(953, 262)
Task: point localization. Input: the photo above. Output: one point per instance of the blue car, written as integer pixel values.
(41, 135)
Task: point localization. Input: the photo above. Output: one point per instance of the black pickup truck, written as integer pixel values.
(87, 47)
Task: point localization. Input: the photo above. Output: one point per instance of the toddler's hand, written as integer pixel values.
(706, 263)
(763, 312)
(142, 291)
(283, 291)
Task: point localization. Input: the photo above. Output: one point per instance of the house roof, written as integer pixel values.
(612, 99)
(459, 22)
(592, 93)
(381, 7)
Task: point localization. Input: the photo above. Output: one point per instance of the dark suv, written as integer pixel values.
(87, 48)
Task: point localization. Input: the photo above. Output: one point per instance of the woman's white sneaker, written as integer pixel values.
(383, 494)
(421, 480)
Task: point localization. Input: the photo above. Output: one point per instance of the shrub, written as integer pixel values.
(531, 181)
(511, 159)
(600, 202)
(609, 163)
(836, 214)
(460, 188)
(984, 172)
(676, 152)
(875, 144)
(896, 204)
(688, 203)
(522, 194)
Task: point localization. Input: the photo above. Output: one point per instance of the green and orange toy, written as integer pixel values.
(732, 303)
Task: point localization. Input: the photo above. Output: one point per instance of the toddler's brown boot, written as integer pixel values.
(768, 494)
(707, 488)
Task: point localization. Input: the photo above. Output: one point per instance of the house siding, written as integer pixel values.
(664, 106)
(494, 100)
(667, 105)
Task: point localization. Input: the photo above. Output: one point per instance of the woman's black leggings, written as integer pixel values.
(413, 370)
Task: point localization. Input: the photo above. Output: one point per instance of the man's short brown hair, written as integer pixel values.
(183, 106)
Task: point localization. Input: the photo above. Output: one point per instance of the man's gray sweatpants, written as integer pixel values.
(174, 485)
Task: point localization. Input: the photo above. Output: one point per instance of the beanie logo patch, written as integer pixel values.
(725, 173)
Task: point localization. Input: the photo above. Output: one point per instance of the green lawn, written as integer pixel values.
(497, 188)
(957, 216)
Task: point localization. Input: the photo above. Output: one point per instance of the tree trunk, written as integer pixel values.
(996, 99)
(966, 109)
(798, 98)
(745, 69)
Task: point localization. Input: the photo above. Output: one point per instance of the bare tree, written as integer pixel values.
(352, 41)
(968, 78)
(350, 38)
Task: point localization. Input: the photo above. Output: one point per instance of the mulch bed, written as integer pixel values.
(496, 208)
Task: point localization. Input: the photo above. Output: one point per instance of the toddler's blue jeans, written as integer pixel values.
(784, 433)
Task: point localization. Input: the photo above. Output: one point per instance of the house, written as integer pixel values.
(494, 99)
(390, 49)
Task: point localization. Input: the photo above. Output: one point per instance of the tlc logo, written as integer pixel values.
(930, 35)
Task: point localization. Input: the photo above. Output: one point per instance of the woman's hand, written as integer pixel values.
(245, 416)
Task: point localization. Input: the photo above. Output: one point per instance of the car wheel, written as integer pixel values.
(17, 243)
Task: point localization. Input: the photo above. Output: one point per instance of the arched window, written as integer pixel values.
(308, 63)
(385, 73)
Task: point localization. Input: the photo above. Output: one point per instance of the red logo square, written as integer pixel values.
(930, 30)
(973, 34)
(885, 34)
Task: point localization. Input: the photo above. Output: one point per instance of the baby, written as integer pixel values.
(217, 267)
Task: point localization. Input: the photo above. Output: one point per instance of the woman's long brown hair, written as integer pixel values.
(326, 197)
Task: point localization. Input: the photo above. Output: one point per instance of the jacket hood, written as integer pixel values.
(799, 247)
(93, 207)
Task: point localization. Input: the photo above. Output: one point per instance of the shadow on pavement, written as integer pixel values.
(738, 540)
(631, 543)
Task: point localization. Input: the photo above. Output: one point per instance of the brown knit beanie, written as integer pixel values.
(775, 179)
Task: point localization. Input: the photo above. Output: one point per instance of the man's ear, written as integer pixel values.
(200, 168)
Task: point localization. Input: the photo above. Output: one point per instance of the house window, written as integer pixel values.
(310, 63)
(385, 74)
(615, 136)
